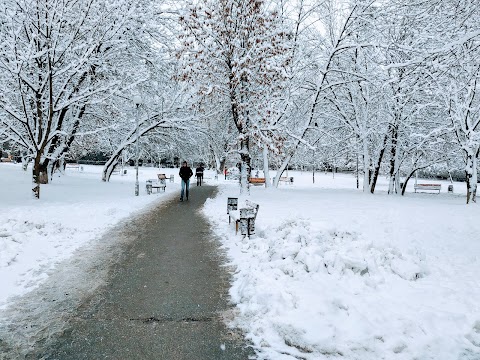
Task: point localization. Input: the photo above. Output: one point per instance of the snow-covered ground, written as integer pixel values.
(331, 272)
(73, 210)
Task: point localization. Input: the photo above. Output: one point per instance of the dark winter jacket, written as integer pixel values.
(199, 171)
(185, 173)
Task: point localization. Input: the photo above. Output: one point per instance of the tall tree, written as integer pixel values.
(56, 60)
(446, 52)
(236, 48)
(341, 22)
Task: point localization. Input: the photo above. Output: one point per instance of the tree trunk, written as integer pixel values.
(43, 171)
(219, 164)
(25, 161)
(281, 170)
(36, 177)
(366, 166)
(266, 171)
(378, 164)
(393, 161)
(43, 176)
(245, 171)
(471, 177)
(110, 166)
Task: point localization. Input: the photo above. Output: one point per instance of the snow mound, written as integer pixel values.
(296, 247)
(307, 280)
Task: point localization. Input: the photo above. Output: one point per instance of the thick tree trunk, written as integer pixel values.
(43, 176)
(246, 170)
(217, 164)
(471, 177)
(44, 169)
(281, 170)
(221, 165)
(110, 166)
(36, 177)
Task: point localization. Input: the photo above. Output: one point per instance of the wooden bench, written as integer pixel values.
(244, 217)
(160, 183)
(72, 166)
(285, 179)
(433, 187)
(257, 181)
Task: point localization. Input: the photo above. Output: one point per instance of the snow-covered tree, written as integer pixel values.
(56, 60)
(445, 54)
(341, 23)
(236, 48)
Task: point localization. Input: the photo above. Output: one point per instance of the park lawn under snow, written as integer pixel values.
(335, 273)
(75, 209)
(331, 273)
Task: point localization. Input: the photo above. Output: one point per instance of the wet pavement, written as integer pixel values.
(165, 299)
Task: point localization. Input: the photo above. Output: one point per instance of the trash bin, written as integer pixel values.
(124, 171)
(171, 178)
(450, 188)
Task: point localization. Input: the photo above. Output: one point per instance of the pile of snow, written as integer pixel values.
(340, 274)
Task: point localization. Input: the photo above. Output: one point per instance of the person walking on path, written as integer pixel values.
(185, 174)
(199, 174)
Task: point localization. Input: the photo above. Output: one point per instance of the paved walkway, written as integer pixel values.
(166, 299)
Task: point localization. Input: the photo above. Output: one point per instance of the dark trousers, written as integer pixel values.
(199, 180)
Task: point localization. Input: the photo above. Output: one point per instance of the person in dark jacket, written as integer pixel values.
(185, 174)
(199, 174)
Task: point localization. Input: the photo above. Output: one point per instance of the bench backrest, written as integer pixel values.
(232, 204)
(253, 206)
(286, 179)
(248, 216)
(428, 186)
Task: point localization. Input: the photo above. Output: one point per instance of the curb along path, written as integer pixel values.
(167, 298)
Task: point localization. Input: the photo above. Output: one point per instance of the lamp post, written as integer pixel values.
(137, 100)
